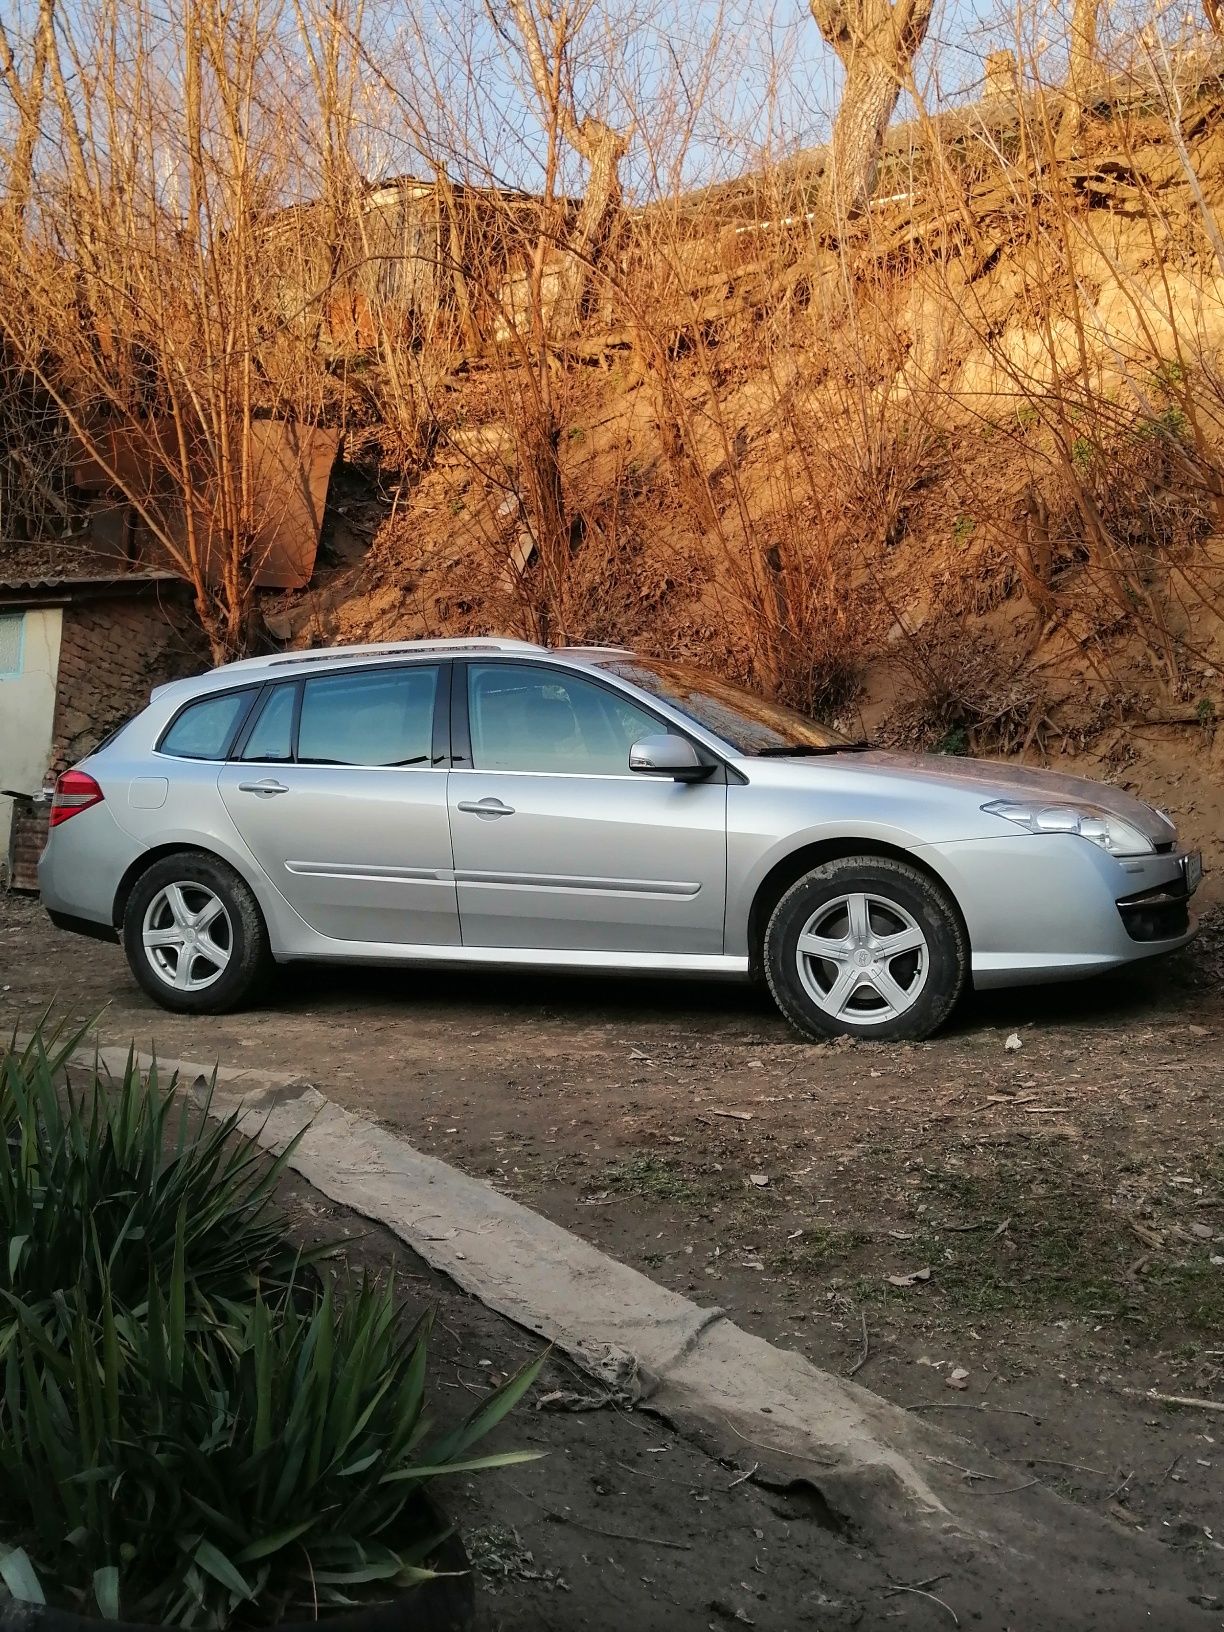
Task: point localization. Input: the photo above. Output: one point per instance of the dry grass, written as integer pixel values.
(687, 425)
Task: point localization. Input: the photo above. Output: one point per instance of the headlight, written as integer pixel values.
(1098, 826)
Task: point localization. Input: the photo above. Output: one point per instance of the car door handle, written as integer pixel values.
(267, 787)
(485, 807)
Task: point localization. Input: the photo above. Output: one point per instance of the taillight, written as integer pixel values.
(74, 791)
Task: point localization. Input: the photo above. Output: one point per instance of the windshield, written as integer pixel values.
(747, 722)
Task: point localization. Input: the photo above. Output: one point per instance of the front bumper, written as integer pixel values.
(1044, 907)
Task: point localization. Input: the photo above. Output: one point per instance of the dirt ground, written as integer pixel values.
(1022, 1240)
(621, 1524)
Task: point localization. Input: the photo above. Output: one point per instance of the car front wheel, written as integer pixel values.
(194, 935)
(867, 947)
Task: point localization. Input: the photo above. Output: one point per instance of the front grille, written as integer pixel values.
(1158, 914)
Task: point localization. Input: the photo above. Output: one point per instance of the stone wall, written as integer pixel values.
(112, 653)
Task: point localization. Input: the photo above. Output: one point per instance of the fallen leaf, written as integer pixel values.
(1014, 1043)
(957, 1378)
(761, 1180)
(912, 1279)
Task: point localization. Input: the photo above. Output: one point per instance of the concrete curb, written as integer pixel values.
(880, 1475)
(615, 1322)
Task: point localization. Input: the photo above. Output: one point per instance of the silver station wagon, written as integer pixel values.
(492, 803)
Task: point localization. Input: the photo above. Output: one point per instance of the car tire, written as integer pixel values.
(193, 907)
(884, 955)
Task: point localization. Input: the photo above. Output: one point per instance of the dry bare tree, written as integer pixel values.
(547, 33)
(31, 477)
(1083, 67)
(152, 313)
(877, 41)
(26, 92)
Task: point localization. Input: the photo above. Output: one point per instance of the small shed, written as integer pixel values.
(78, 656)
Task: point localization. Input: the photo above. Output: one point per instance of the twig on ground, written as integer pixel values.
(1120, 1488)
(947, 1462)
(863, 1357)
(1187, 1400)
(658, 1478)
(1010, 1490)
(755, 1468)
(1080, 1467)
(921, 1592)
(970, 1405)
(597, 1530)
(617, 1535)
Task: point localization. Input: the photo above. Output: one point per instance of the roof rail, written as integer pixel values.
(386, 648)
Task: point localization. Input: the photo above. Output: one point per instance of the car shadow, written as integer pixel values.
(1169, 990)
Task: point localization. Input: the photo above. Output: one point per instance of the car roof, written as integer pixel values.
(321, 659)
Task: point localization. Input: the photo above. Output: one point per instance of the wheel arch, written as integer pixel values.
(791, 867)
(149, 858)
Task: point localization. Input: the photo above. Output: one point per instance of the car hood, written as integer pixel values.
(987, 779)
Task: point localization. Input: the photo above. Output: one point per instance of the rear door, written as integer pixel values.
(557, 844)
(338, 787)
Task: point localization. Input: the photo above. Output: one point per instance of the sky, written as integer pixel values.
(758, 71)
(709, 88)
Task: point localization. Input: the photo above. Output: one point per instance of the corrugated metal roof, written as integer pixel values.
(83, 583)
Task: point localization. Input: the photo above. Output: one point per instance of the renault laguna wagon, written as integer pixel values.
(490, 803)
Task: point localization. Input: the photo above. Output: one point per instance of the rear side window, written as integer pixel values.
(204, 730)
(271, 736)
(381, 717)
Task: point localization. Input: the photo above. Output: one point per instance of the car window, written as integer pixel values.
(378, 717)
(271, 736)
(204, 730)
(751, 724)
(528, 719)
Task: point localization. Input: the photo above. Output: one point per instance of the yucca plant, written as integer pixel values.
(94, 1182)
(147, 1474)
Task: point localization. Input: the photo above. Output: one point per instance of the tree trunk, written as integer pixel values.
(1081, 72)
(866, 106)
(603, 148)
(876, 41)
(28, 100)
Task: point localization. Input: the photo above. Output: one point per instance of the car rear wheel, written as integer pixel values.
(194, 935)
(865, 946)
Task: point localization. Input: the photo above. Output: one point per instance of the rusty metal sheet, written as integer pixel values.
(292, 466)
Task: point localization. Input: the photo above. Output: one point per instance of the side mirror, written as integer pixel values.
(668, 756)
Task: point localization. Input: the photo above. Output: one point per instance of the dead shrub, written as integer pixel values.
(964, 695)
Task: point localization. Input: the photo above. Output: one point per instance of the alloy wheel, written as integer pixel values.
(862, 958)
(187, 935)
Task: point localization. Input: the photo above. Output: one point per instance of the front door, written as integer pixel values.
(557, 844)
(340, 795)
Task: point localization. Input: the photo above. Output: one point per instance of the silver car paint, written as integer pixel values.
(615, 872)
(620, 863)
(358, 854)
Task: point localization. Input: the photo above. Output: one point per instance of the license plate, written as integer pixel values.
(1192, 871)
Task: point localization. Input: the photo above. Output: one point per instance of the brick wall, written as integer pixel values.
(113, 651)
